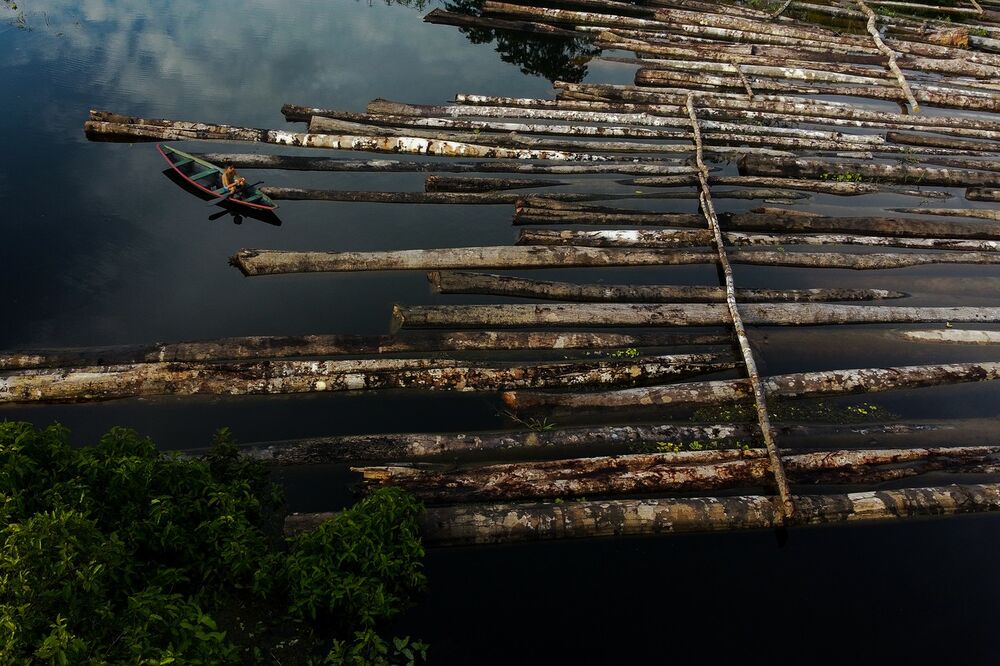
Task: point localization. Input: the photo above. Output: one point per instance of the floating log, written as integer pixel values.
(664, 472)
(801, 167)
(541, 210)
(797, 385)
(400, 446)
(824, 186)
(443, 17)
(925, 140)
(267, 347)
(448, 282)
(954, 336)
(302, 163)
(982, 213)
(467, 525)
(677, 239)
(715, 104)
(500, 197)
(286, 377)
(274, 262)
(466, 184)
(106, 126)
(690, 314)
(983, 193)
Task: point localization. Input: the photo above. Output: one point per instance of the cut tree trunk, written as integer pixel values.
(802, 167)
(471, 525)
(798, 385)
(285, 377)
(509, 315)
(448, 282)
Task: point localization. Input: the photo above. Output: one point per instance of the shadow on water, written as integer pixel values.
(553, 58)
(236, 212)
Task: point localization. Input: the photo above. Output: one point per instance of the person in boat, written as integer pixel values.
(233, 181)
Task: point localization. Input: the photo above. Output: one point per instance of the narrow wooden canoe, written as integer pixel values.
(208, 179)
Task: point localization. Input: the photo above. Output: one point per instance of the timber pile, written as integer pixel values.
(728, 103)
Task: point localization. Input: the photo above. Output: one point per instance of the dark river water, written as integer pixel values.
(99, 248)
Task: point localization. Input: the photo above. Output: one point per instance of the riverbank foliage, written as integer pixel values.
(119, 554)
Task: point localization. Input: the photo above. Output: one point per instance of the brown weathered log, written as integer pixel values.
(711, 105)
(981, 213)
(467, 184)
(449, 282)
(401, 446)
(798, 385)
(664, 472)
(500, 197)
(911, 139)
(689, 314)
(106, 126)
(659, 238)
(286, 377)
(269, 347)
(802, 167)
(953, 336)
(982, 194)
(468, 525)
(443, 17)
(274, 262)
(824, 186)
(303, 163)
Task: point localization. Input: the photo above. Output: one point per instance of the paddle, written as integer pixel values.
(229, 194)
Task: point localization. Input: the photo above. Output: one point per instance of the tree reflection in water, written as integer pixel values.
(554, 58)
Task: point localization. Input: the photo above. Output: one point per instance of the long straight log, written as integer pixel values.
(953, 336)
(678, 239)
(689, 314)
(794, 108)
(468, 525)
(804, 167)
(288, 377)
(824, 186)
(105, 126)
(271, 347)
(401, 446)
(631, 125)
(448, 282)
(443, 17)
(797, 385)
(664, 472)
(302, 163)
(500, 197)
(469, 184)
(274, 262)
(982, 213)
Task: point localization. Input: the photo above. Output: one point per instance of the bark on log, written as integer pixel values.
(500, 197)
(272, 347)
(664, 472)
(823, 186)
(448, 282)
(691, 314)
(469, 184)
(287, 377)
(402, 446)
(798, 385)
(469, 525)
(275, 262)
(803, 167)
(302, 163)
(443, 17)
(954, 336)
(770, 107)
(982, 213)
(680, 239)
(983, 193)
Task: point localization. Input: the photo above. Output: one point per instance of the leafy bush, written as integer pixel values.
(118, 554)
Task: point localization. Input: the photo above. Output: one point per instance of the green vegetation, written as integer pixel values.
(119, 554)
(630, 352)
